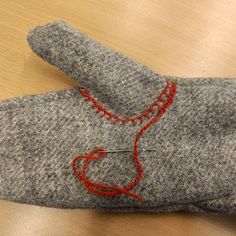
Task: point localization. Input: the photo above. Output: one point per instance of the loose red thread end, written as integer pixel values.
(101, 189)
(106, 190)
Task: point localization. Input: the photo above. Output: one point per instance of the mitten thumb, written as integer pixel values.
(126, 87)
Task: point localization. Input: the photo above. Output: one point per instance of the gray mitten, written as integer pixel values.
(128, 139)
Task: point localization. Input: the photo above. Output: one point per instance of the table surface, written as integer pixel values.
(186, 38)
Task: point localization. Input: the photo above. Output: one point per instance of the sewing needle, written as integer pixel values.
(126, 150)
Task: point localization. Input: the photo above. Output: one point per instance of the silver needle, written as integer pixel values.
(126, 150)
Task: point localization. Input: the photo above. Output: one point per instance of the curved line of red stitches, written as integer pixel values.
(99, 153)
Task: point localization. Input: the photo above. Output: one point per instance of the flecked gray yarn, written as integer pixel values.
(193, 168)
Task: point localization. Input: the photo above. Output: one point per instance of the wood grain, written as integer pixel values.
(186, 38)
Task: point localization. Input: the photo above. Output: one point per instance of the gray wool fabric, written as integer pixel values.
(193, 166)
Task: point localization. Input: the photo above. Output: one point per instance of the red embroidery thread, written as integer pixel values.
(97, 154)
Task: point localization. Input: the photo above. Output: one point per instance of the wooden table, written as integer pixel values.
(184, 38)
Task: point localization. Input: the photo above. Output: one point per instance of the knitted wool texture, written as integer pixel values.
(192, 169)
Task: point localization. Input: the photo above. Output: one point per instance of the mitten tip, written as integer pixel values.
(43, 38)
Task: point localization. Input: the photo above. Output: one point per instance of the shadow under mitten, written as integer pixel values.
(56, 149)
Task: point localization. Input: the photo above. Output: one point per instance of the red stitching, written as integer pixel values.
(107, 190)
(99, 108)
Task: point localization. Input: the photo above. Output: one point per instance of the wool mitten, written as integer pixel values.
(127, 139)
